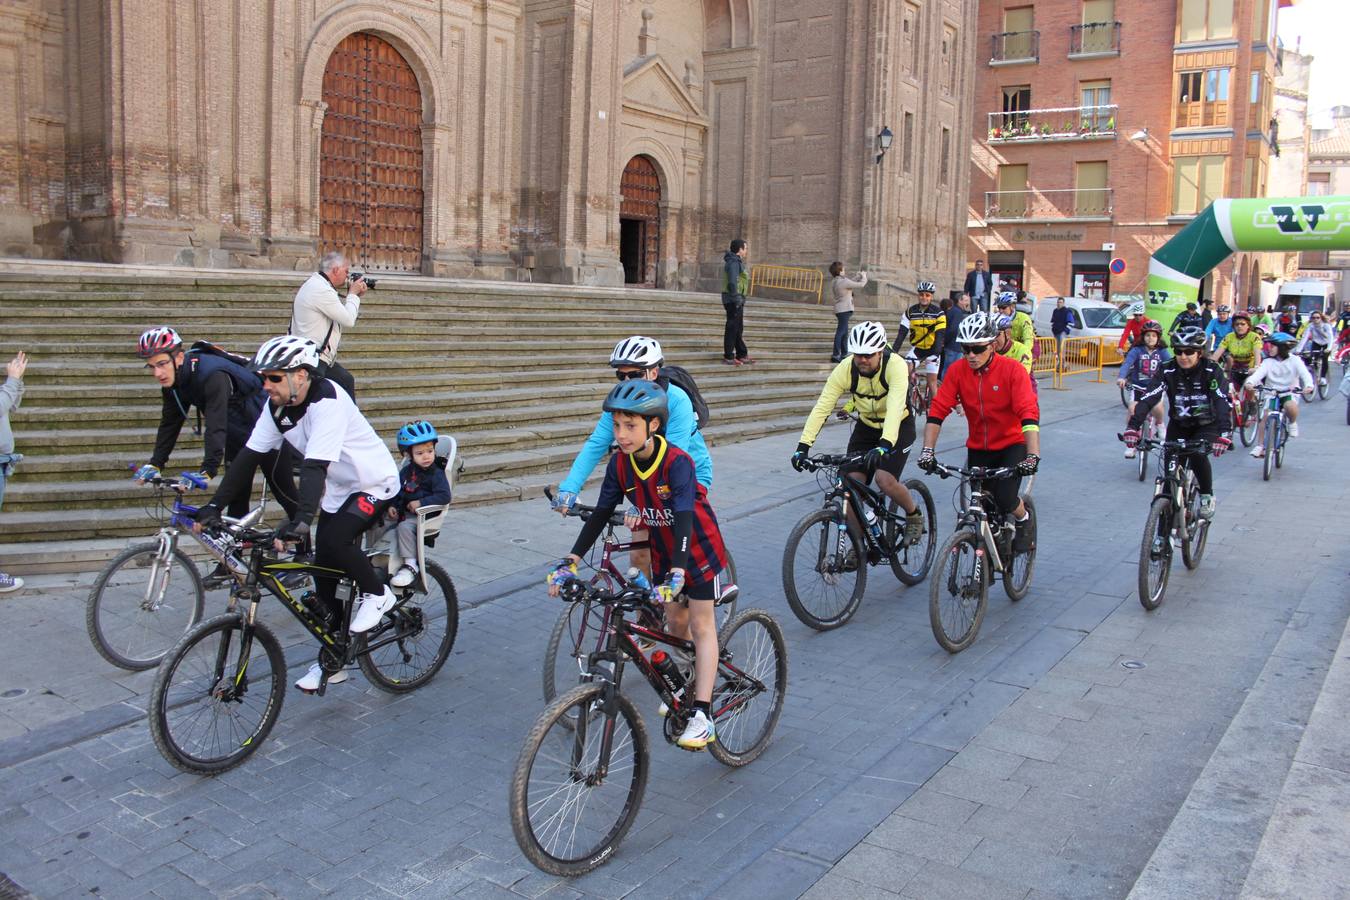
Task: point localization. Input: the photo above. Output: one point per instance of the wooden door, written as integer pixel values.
(370, 170)
(640, 188)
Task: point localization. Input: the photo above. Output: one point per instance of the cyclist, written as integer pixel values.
(878, 381)
(1243, 346)
(1188, 318)
(1023, 331)
(1343, 322)
(1141, 364)
(1282, 372)
(1316, 341)
(1007, 345)
(1219, 327)
(1198, 406)
(1134, 327)
(687, 549)
(1003, 416)
(347, 477)
(925, 324)
(1289, 321)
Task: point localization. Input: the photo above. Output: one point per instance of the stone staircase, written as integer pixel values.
(515, 371)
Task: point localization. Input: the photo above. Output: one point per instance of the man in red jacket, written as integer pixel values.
(1002, 414)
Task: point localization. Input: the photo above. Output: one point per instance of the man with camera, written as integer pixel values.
(320, 314)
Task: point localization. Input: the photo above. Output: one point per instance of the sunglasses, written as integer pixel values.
(974, 349)
(628, 376)
(274, 379)
(1188, 351)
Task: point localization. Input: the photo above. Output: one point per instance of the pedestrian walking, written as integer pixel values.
(958, 311)
(735, 286)
(978, 285)
(319, 314)
(1061, 320)
(11, 394)
(842, 288)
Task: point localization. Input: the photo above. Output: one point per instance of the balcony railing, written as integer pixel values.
(1069, 123)
(1202, 114)
(1094, 39)
(1048, 206)
(1015, 47)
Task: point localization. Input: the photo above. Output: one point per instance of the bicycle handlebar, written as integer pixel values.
(584, 512)
(980, 473)
(826, 460)
(574, 590)
(1181, 444)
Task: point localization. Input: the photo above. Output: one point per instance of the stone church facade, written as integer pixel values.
(567, 141)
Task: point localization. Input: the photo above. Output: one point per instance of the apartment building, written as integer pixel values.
(1103, 126)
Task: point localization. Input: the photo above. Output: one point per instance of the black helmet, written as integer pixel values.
(643, 398)
(1190, 338)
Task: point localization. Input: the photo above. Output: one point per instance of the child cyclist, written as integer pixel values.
(422, 483)
(686, 546)
(1141, 364)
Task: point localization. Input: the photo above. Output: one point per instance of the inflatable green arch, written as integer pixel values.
(1228, 226)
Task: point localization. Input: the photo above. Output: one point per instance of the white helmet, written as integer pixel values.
(926, 287)
(867, 337)
(285, 353)
(639, 351)
(976, 328)
(1135, 309)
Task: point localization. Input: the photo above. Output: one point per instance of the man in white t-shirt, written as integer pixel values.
(320, 314)
(348, 477)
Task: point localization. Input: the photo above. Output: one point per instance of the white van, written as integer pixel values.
(1094, 318)
(1308, 296)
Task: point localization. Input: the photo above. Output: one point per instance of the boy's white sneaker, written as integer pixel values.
(372, 609)
(1293, 429)
(404, 576)
(699, 733)
(309, 682)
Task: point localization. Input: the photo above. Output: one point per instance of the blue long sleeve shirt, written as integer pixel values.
(682, 431)
(1216, 331)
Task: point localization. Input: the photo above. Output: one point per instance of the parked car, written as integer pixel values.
(1095, 318)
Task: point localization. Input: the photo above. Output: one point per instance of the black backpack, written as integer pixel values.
(680, 377)
(885, 387)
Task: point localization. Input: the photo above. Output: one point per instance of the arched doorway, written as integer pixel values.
(370, 168)
(640, 221)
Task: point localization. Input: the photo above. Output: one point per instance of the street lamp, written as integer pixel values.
(884, 138)
(1141, 135)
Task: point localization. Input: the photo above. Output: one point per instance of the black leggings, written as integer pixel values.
(1005, 490)
(278, 468)
(1204, 475)
(337, 545)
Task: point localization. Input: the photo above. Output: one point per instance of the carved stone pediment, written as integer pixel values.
(652, 88)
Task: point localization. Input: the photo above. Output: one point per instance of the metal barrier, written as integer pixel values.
(788, 278)
(1080, 356)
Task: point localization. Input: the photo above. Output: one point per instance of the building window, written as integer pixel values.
(1096, 114)
(1016, 103)
(908, 143)
(1098, 33)
(909, 33)
(945, 166)
(1197, 182)
(1019, 36)
(1010, 202)
(948, 58)
(1205, 20)
(1202, 98)
(1092, 197)
(1319, 184)
(1256, 88)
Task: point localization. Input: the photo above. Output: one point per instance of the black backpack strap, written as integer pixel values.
(854, 375)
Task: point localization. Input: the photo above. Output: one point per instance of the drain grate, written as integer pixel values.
(1134, 664)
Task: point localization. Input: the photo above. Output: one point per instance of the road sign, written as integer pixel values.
(1117, 266)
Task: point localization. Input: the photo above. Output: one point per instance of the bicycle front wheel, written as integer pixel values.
(571, 803)
(1251, 423)
(1323, 387)
(824, 570)
(1017, 578)
(425, 626)
(217, 695)
(959, 594)
(1271, 439)
(1155, 553)
(1197, 532)
(141, 605)
(1281, 442)
(911, 562)
(751, 683)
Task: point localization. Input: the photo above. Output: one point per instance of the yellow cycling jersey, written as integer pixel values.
(1244, 350)
(1023, 331)
(923, 322)
(877, 406)
(1020, 352)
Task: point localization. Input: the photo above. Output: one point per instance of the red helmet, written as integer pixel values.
(1152, 325)
(158, 340)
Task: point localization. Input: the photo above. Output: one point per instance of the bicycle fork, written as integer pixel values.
(158, 585)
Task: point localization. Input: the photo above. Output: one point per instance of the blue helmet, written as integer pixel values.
(414, 433)
(643, 398)
(1006, 297)
(1281, 337)
(1003, 323)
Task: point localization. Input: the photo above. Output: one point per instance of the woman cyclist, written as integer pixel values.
(1141, 364)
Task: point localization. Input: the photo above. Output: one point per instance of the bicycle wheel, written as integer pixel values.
(1017, 580)
(959, 595)
(1155, 553)
(426, 626)
(1251, 423)
(568, 814)
(911, 562)
(140, 607)
(1323, 387)
(1281, 441)
(824, 570)
(1269, 438)
(751, 684)
(1194, 546)
(1141, 454)
(1125, 397)
(727, 611)
(217, 695)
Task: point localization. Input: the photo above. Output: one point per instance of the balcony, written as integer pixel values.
(1069, 123)
(1012, 47)
(1203, 114)
(1085, 205)
(1094, 39)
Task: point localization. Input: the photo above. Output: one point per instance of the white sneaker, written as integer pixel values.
(9, 583)
(1207, 506)
(1321, 382)
(373, 607)
(1293, 429)
(1130, 452)
(309, 683)
(404, 576)
(698, 734)
(1258, 451)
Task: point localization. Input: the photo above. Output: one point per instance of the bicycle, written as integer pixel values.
(572, 632)
(581, 774)
(919, 395)
(981, 545)
(1315, 360)
(1175, 509)
(204, 715)
(132, 619)
(1151, 428)
(825, 581)
(1274, 430)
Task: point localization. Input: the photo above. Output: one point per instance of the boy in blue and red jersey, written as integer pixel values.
(666, 498)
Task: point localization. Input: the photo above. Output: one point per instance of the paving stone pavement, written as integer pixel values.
(1031, 765)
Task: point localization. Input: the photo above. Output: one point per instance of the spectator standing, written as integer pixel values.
(735, 286)
(1206, 312)
(842, 288)
(1061, 320)
(978, 285)
(319, 314)
(11, 393)
(958, 311)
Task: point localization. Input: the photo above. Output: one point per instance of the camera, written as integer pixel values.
(352, 277)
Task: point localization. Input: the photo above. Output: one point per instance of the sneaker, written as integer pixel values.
(1322, 382)
(309, 683)
(373, 607)
(731, 362)
(9, 583)
(1207, 507)
(913, 526)
(699, 733)
(1131, 452)
(1293, 429)
(1258, 451)
(1022, 540)
(405, 576)
(746, 360)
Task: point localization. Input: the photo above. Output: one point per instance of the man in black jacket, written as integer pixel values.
(978, 285)
(735, 286)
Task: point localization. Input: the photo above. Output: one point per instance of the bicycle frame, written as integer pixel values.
(978, 511)
(182, 518)
(858, 495)
(1169, 482)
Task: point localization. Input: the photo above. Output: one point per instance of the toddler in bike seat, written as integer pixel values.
(423, 483)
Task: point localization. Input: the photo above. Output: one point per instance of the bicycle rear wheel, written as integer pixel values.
(569, 815)
(426, 626)
(1251, 423)
(1125, 397)
(1281, 442)
(751, 683)
(727, 611)
(1141, 454)
(1155, 553)
(217, 695)
(141, 606)
(959, 594)
(1017, 579)
(911, 562)
(824, 570)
